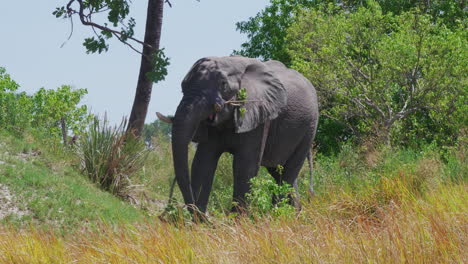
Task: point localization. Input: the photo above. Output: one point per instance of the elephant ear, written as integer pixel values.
(266, 96)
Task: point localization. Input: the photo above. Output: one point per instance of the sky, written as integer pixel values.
(31, 39)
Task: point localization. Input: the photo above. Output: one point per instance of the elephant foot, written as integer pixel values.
(239, 209)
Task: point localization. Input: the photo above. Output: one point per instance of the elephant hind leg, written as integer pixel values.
(293, 166)
(275, 173)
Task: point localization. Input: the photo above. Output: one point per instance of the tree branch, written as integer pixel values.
(86, 20)
(356, 68)
(71, 33)
(374, 106)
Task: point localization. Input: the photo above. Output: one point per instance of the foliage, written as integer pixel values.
(260, 197)
(242, 97)
(117, 14)
(160, 63)
(110, 156)
(15, 108)
(175, 214)
(373, 70)
(266, 32)
(120, 25)
(50, 106)
(6, 83)
(43, 110)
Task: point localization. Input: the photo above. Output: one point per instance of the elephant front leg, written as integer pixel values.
(203, 169)
(245, 167)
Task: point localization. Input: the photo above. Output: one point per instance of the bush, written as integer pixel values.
(393, 78)
(110, 156)
(260, 199)
(42, 111)
(15, 108)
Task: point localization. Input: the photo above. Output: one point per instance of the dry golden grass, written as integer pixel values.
(381, 227)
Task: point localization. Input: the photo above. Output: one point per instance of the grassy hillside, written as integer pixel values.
(377, 206)
(54, 193)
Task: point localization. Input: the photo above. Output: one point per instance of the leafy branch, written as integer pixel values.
(117, 12)
(240, 101)
(117, 15)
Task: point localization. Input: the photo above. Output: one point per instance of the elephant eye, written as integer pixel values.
(224, 86)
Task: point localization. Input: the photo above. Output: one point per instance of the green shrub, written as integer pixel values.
(50, 106)
(42, 111)
(110, 156)
(260, 199)
(15, 108)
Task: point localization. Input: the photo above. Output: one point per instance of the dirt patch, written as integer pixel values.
(8, 204)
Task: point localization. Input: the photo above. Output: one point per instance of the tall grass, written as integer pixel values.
(382, 206)
(429, 229)
(110, 156)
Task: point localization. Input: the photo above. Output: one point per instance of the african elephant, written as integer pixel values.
(276, 126)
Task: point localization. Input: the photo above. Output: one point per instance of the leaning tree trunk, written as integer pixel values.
(144, 86)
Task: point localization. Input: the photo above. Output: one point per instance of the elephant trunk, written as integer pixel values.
(187, 117)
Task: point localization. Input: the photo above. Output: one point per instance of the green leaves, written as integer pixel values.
(242, 97)
(110, 156)
(98, 45)
(266, 31)
(372, 70)
(60, 12)
(117, 14)
(160, 63)
(6, 83)
(49, 106)
(260, 197)
(242, 94)
(42, 110)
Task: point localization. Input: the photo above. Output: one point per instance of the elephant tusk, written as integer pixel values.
(164, 118)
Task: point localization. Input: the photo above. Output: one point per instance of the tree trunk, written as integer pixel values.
(144, 86)
(64, 130)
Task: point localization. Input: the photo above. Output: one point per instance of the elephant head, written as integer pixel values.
(207, 90)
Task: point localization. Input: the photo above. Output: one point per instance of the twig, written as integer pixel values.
(241, 101)
(71, 33)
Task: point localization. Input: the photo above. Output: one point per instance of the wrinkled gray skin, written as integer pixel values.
(274, 93)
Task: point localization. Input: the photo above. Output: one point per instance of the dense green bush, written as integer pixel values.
(50, 106)
(385, 76)
(15, 108)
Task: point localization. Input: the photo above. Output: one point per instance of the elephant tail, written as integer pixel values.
(311, 182)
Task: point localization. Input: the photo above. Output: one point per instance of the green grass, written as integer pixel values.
(57, 195)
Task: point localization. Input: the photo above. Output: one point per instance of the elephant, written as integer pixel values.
(274, 125)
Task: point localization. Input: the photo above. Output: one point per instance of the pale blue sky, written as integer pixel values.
(30, 40)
